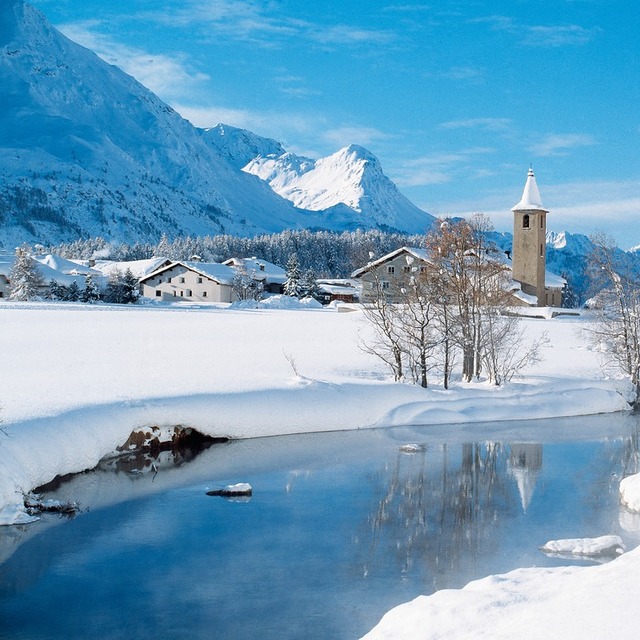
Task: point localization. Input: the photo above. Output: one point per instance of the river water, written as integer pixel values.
(341, 527)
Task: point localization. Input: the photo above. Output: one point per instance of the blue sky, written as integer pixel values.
(456, 99)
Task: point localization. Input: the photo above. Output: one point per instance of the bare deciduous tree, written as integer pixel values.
(616, 330)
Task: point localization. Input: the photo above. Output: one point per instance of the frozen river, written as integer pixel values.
(340, 528)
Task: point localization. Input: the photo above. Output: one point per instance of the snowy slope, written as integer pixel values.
(350, 178)
(85, 150)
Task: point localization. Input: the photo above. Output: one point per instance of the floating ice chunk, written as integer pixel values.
(591, 547)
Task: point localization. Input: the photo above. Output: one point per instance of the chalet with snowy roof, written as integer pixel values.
(47, 274)
(390, 273)
(190, 281)
(337, 289)
(270, 275)
(538, 287)
(139, 268)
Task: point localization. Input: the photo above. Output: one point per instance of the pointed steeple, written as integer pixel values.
(531, 200)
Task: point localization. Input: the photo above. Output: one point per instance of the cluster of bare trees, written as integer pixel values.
(454, 311)
(616, 330)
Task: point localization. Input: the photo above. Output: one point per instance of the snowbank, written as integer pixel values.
(77, 380)
(572, 603)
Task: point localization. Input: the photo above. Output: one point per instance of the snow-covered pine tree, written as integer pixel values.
(91, 293)
(73, 292)
(309, 285)
(292, 284)
(56, 291)
(131, 288)
(24, 278)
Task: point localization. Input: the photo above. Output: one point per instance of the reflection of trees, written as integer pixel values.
(437, 513)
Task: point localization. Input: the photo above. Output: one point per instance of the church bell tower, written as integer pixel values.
(530, 241)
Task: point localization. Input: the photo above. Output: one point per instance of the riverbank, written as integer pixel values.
(78, 379)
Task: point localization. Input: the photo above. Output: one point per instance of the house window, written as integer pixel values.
(525, 221)
(391, 269)
(158, 293)
(261, 267)
(181, 280)
(175, 294)
(204, 294)
(199, 280)
(407, 269)
(423, 269)
(385, 284)
(182, 294)
(189, 293)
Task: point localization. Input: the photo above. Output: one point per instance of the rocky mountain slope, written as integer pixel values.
(85, 150)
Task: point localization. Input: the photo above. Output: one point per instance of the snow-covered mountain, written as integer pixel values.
(85, 150)
(351, 178)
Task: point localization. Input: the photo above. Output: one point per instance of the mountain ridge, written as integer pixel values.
(86, 150)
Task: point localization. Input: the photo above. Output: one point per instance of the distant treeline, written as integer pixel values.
(327, 254)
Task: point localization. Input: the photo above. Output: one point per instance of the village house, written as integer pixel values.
(390, 273)
(337, 289)
(47, 272)
(532, 285)
(270, 275)
(190, 281)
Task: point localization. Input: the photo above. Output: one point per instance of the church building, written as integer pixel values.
(540, 287)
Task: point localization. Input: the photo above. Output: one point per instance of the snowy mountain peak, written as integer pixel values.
(350, 178)
(86, 150)
(239, 146)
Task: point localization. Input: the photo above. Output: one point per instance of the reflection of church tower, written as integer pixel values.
(525, 462)
(530, 241)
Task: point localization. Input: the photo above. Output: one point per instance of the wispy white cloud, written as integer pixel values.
(488, 124)
(346, 135)
(541, 35)
(169, 77)
(558, 35)
(266, 24)
(438, 168)
(468, 74)
(559, 144)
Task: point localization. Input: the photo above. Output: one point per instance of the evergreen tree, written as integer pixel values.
(91, 293)
(56, 291)
(24, 278)
(292, 284)
(73, 292)
(309, 285)
(131, 287)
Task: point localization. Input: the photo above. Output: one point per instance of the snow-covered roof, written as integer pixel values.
(531, 200)
(139, 268)
(259, 269)
(46, 272)
(221, 273)
(70, 267)
(412, 252)
(335, 286)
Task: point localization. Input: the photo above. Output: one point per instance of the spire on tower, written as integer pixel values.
(531, 200)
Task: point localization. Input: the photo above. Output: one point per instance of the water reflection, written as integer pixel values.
(341, 528)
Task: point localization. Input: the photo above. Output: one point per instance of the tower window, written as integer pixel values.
(542, 222)
(541, 250)
(525, 221)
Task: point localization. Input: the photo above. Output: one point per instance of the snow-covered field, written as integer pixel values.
(76, 380)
